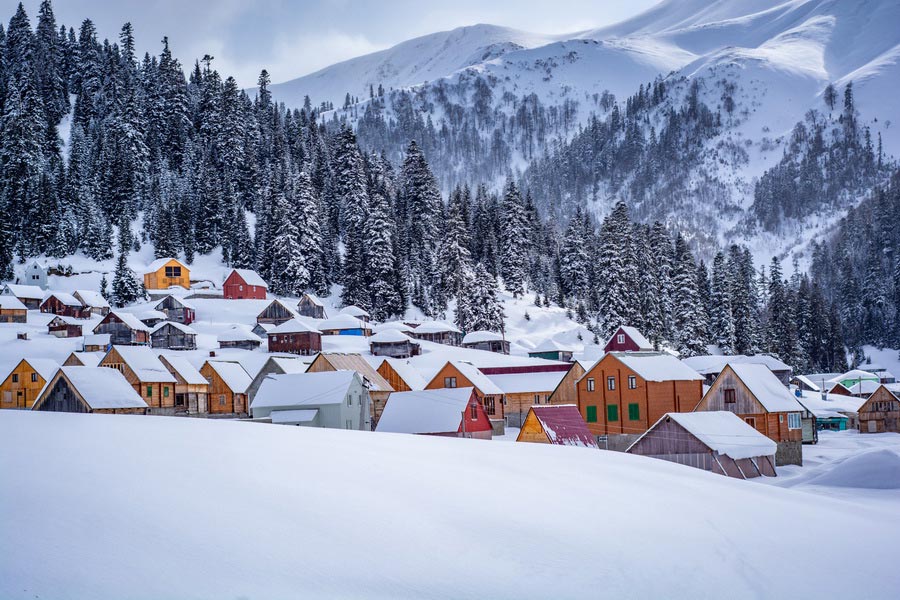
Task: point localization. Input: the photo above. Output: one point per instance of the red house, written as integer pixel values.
(296, 337)
(65, 305)
(627, 339)
(244, 284)
(449, 412)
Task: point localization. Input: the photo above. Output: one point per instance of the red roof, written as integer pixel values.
(564, 426)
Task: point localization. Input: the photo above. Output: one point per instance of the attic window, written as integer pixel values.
(449, 382)
(173, 271)
(611, 383)
(620, 338)
(473, 411)
(590, 384)
(729, 396)
(632, 382)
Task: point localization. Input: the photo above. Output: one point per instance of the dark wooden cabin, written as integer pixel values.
(276, 313)
(880, 412)
(173, 336)
(177, 310)
(124, 329)
(295, 337)
(310, 306)
(65, 305)
(64, 327)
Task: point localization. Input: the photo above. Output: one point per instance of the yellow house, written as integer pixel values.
(164, 273)
(24, 383)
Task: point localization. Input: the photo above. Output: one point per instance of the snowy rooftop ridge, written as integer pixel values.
(303, 389)
(145, 364)
(251, 277)
(766, 387)
(103, 388)
(657, 366)
(724, 432)
(424, 411)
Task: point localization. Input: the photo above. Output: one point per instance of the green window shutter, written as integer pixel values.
(634, 412)
(166, 392)
(612, 413)
(591, 414)
(149, 390)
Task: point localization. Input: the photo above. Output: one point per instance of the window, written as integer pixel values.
(612, 413)
(149, 390)
(591, 414)
(173, 271)
(449, 382)
(620, 338)
(349, 400)
(632, 382)
(221, 399)
(634, 412)
(729, 396)
(34, 378)
(165, 392)
(794, 421)
(473, 411)
(610, 383)
(590, 384)
(15, 378)
(751, 421)
(781, 418)
(537, 398)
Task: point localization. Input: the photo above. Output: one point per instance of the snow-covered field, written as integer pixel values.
(121, 507)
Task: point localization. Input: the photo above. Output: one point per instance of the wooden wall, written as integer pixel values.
(566, 392)
(22, 393)
(162, 394)
(493, 404)
(158, 280)
(221, 399)
(880, 413)
(13, 315)
(387, 371)
(532, 431)
(305, 344)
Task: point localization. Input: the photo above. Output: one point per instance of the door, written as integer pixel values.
(873, 426)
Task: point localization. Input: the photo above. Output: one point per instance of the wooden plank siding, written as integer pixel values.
(21, 387)
(222, 400)
(566, 391)
(493, 404)
(390, 374)
(532, 431)
(880, 413)
(157, 394)
(157, 280)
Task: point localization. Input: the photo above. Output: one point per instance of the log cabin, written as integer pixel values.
(756, 395)
(438, 332)
(627, 339)
(12, 310)
(65, 327)
(165, 273)
(276, 313)
(566, 391)
(191, 388)
(333, 400)
(344, 324)
(95, 301)
(173, 336)
(90, 390)
(244, 284)
(124, 329)
(488, 341)
(393, 343)
(228, 384)
(276, 365)
(29, 295)
(458, 373)
(24, 383)
(560, 425)
(711, 365)
(453, 412)
(295, 337)
(97, 342)
(880, 413)
(624, 393)
(239, 336)
(356, 312)
(65, 305)
(717, 441)
(379, 388)
(143, 370)
(177, 310)
(311, 306)
(402, 375)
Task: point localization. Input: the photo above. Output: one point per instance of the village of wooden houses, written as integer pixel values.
(228, 349)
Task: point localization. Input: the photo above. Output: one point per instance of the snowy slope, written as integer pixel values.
(241, 510)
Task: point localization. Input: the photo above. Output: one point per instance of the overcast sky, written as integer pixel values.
(295, 37)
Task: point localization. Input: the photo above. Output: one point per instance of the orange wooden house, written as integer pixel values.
(402, 375)
(880, 412)
(24, 383)
(228, 387)
(147, 375)
(164, 273)
(458, 373)
(560, 425)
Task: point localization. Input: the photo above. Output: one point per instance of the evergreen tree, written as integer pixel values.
(686, 301)
(721, 320)
(513, 236)
(616, 274)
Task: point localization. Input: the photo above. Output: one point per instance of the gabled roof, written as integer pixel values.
(129, 319)
(233, 374)
(425, 411)
(808, 382)
(723, 432)
(342, 321)
(176, 325)
(550, 345)
(185, 369)
(436, 327)
(865, 387)
(524, 383)
(178, 299)
(145, 363)
(564, 425)
(290, 364)
(853, 376)
(92, 298)
(159, 263)
(11, 303)
(313, 299)
(29, 292)
(64, 298)
(294, 325)
(44, 367)
(766, 387)
(408, 373)
(635, 335)
(97, 339)
(395, 325)
(293, 390)
(67, 320)
(355, 362)
(101, 387)
(250, 277)
(151, 315)
(391, 336)
(475, 337)
(88, 359)
(657, 366)
(285, 306)
(476, 377)
(713, 363)
(354, 311)
(238, 333)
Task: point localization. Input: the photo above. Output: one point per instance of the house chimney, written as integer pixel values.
(212, 353)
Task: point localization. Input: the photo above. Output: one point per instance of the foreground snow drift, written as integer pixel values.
(149, 507)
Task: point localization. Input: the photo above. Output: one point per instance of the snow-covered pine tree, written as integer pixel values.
(721, 321)
(385, 300)
(126, 287)
(288, 273)
(574, 258)
(615, 271)
(350, 194)
(686, 302)
(486, 311)
(455, 260)
(514, 234)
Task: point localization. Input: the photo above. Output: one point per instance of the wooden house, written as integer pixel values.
(344, 324)
(29, 295)
(65, 305)
(561, 425)
(755, 394)
(12, 310)
(311, 306)
(228, 384)
(90, 390)
(262, 329)
(124, 329)
(356, 312)
(173, 336)
(334, 400)
(295, 337)
(379, 388)
(552, 350)
(94, 301)
(276, 365)
(177, 310)
(191, 388)
(97, 342)
(458, 373)
(627, 339)
(244, 284)
(239, 336)
(838, 389)
(453, 412)
(84, 359)
(151, 318)
(486, 340)
(711, 365)
(566, 391)
(276, 313)
(524, 389)
(65, 327)
(36, 274)
(402, 375)
(24, 383)
(717, 441)
(439, 332)
(146, 374)
(393, 343)
(165, 273)
(624, 393)
(880, 412)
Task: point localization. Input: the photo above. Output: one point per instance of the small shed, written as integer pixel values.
(561, 425)
(344, 324)
(12, 310)
(65, 327)
(550, 349)
(486, 340)
(880, 412)
(402, 375)
(393, 343)
(239, 336)
(165, 273)
(442, 412)
(228, 383)
(36, 274)
(152, 317)
(244, 284)
(173, 336)
(177, 310)
(439, 332)
(96, 342)
(311, 306)
(355, 311)
(23, 385)
(29, 295)
(295, 337)
(94, 301)
(717, 441)
(90, 390)
(276, 313)
(334, 400)
(124, 328)
(627, 339)
(66, 305)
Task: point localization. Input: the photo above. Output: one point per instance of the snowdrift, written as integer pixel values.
(876, 470)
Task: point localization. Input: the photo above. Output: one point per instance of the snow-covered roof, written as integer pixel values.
(64, 298)
(302, 415)
(281, 303)
(89, 359)
(808, 382)
(354, 311)
(396, 325)
(185, 369)
(481, 336)
(636, 336)
(44, 367)
(290, 364)
(151, 314)
(97, 339)
(102, 387)
(145, 363)
(250, 277)
(293, 390)
(355, 362)
(11, 303)
(724, 432)
(238, 333)
(551, 345)
(294, 325)
(410, 374)
(29, 292)
(436, 327)
(865, 387)
(233, 374)
(67, 320)
(391, 336)
(657, 366)
(564, 425)
(37, 263)
(766, 387)
(92, 298)
(342, 321)
(424, 411)
(853, 376)
(477, 378)
(179, 326)
(130, 320)
(313, 299)
(159, 263)
(712, 364)
(524, 383)
(178, 299)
